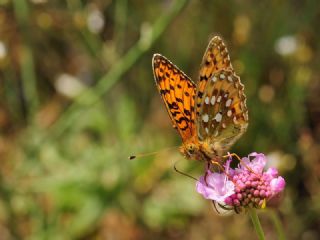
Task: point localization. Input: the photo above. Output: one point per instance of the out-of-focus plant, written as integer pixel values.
(77, 97)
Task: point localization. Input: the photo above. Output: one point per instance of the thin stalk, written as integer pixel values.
(277, 224)
(121, 7)
(27, 69)
(256, 223)
(91, 42)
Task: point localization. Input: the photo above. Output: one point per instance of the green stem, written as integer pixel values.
(91, 42)
(26, 61)
(256, 223)
(121, 8)
(92, 95)
(277, 224)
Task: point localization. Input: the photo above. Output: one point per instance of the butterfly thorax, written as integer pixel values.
(199, 150)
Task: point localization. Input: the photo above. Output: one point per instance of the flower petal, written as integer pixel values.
(258, 163)
(215, 186)
(277, 184)
(272, 172)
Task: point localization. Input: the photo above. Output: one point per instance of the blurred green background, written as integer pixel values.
(78, 97)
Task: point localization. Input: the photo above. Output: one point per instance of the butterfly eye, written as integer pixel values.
(191, 149)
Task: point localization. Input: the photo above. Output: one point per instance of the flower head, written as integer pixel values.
(248, 185)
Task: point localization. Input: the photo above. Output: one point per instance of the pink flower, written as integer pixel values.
(248, 185)
(215, 186)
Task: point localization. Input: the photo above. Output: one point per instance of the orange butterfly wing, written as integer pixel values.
(177, 92)
(216, 58)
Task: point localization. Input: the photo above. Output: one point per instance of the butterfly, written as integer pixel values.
(210, 115)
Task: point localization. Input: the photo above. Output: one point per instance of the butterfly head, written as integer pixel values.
(198, 151)
(190, 150)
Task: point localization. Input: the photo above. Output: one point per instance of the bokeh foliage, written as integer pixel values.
(78, 97)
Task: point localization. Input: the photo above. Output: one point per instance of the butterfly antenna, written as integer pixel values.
(132, 157)
(182, 173)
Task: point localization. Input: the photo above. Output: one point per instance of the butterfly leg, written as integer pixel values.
(239, 159)
(213, 162)
(230, 155)
(221, 206)
(206, 174)
(215, 207)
